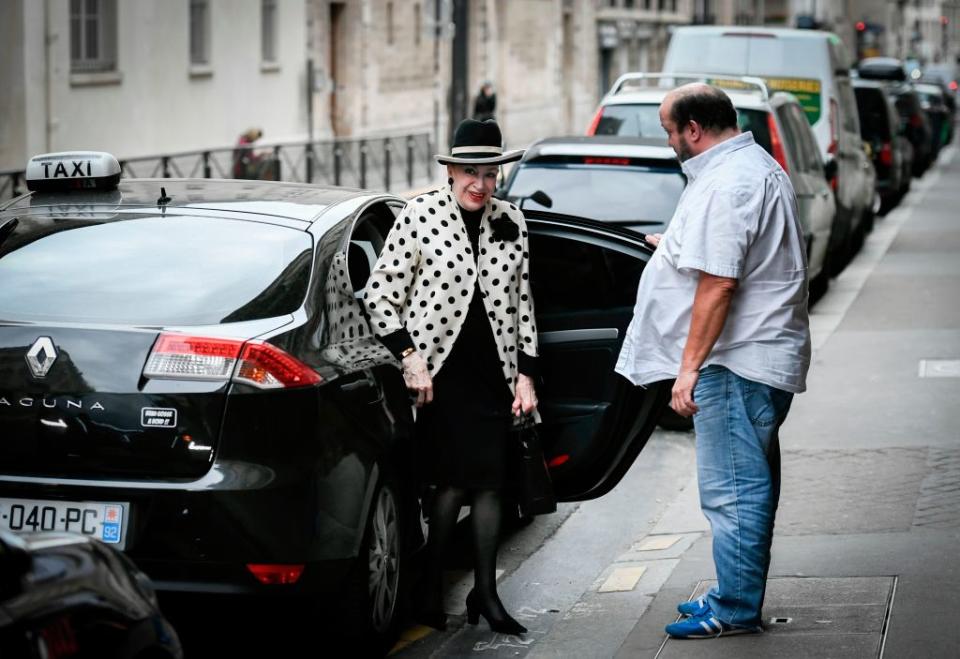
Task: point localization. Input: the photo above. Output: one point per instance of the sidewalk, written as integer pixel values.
(866, 554)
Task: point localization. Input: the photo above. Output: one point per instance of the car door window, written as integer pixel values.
(803, 130)
(793, 143)
(346, 338)
(583, 277)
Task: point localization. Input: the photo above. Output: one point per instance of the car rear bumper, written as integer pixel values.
(200, 540)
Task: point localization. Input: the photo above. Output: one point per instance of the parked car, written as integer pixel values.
(627, 181)
(915, 126)
(634, 101)
(812, 65)
(891, 151)
(946, 76)
(940, 116)
(66, 595)
(186, 373)
(889, 69)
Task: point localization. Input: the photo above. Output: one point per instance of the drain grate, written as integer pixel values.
(939, 368)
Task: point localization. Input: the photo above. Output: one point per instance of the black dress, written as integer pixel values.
(463, 432)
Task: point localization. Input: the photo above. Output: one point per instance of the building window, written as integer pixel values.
(389, 23)
(199, 32)
(268, 26)
(93, 36)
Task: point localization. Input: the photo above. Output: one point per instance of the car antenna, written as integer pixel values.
(164, 199)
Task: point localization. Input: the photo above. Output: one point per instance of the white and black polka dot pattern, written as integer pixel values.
(425, 276)
(346, 338)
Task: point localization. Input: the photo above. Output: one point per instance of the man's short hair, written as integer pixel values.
(708, 106)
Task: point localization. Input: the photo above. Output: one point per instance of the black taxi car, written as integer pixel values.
(186, 374)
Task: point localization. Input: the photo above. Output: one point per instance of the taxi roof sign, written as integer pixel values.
(73, 170)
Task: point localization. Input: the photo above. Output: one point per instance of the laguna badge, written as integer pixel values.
(41, 355)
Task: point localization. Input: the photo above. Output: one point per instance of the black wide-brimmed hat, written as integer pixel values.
(478, 143)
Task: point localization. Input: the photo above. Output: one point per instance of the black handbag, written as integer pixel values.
(534, 488)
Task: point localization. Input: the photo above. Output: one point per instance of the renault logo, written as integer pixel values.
(41, 356)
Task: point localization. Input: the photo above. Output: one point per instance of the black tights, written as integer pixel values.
(485, 522)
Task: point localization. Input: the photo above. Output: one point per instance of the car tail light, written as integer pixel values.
(181, 357)
(886, 154)
(596, 160)
(592, 128)
(558, 460)
(834, 125)
(275, 574)
(268, 367)
(192, 357)
(776, 144)
(953, 85)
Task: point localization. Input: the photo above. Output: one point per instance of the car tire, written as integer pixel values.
(372, 606)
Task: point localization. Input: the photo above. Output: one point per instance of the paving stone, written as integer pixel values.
(850, 490)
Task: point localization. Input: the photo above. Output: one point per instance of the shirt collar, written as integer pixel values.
(697, 165)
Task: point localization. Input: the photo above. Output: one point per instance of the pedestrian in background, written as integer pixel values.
(450, 297)
(722, 309)
(246, 161)
(485, 105)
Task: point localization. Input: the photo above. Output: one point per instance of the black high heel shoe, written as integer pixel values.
(504, 625)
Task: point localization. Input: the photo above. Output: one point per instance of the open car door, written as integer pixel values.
(584, 277)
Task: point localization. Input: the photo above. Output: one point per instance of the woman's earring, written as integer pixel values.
(450, 181)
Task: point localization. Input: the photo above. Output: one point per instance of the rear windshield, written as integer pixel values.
(644, 120)
(151, 271)
(602, 192)
(758, 123)
(740, 52)
(635, 120)
(874, 119)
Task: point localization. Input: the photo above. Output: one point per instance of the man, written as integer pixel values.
(722, 309)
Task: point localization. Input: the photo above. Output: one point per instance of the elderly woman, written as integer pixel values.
(450, 297)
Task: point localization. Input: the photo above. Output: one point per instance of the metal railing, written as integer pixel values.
(392, 163)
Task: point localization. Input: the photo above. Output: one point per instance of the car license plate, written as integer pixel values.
(104, 521)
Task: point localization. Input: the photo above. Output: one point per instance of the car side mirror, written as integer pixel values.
(542, 198)
(830, 169)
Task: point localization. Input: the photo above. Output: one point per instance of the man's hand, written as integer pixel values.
(654, 238)
(417, 377)
(525, 400)
(682, 400)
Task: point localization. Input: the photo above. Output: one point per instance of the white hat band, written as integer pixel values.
(476, 149)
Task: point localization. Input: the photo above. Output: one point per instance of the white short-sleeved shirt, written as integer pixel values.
(737, 218)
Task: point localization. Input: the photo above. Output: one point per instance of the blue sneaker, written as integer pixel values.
(706, 626)
(695, 607)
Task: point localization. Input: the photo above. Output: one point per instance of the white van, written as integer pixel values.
(813, 66)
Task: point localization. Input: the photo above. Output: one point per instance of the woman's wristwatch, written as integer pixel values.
(407, 352)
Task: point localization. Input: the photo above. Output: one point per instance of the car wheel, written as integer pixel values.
(373, 604)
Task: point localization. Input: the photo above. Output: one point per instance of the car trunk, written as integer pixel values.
(92, 414)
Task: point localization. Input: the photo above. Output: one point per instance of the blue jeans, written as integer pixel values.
(738, 469)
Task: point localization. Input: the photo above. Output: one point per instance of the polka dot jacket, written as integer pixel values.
(425, 276)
